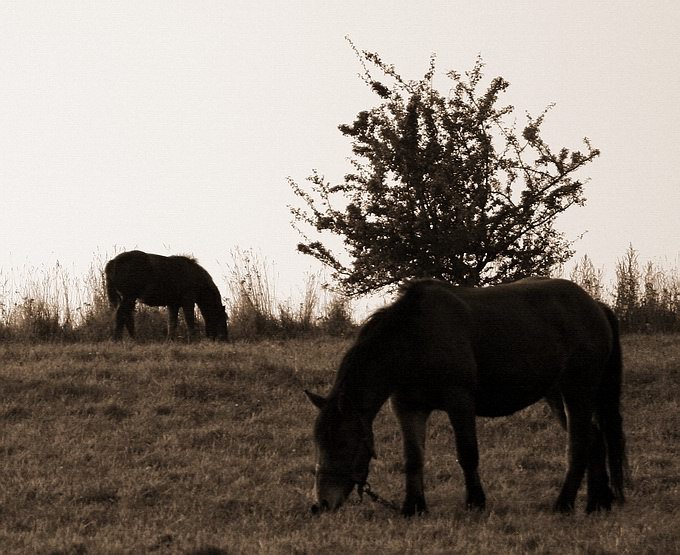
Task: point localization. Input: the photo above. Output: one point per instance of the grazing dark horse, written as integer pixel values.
(472, 352)
(172, 281)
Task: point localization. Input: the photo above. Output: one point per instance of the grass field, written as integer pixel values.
(173, 448)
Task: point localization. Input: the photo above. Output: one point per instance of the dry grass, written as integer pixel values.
(161, 448)
(50, 304)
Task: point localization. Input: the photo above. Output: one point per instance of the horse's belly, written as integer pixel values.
(154, 300)
(159, 295)
(502, 398)
(504, 405)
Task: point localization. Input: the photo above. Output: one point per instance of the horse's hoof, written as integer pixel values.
(414, 512)
(476, 503)
(599, 500)
(319, 508)
(563, 508)
(596, 506)
(414, 507)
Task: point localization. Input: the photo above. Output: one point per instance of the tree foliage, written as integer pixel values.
(443, 186)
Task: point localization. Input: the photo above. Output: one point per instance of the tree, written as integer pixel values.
(442, 186)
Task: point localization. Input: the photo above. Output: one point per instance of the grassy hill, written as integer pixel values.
(206, 448)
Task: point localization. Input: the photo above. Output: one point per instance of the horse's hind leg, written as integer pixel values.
(461, 410)
(600, 495)
(413, 425)
(579, 410)
(125, 318)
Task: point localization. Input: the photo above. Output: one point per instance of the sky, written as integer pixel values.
(172, 126)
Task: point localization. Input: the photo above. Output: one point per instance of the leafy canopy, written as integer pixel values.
(442, 186)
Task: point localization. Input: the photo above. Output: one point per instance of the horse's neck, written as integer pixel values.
(207, 299)
(367, 393)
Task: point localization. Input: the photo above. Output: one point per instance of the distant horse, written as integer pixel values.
(172, 281)
(471, 352)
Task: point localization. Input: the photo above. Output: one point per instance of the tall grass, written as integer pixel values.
(51, 304)
(255, 311)
(39, 303)
(645, 298)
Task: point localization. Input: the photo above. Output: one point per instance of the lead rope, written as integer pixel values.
(366, 488)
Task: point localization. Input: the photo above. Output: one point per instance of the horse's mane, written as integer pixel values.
(208, 280)
(387, 313)
(408, 295)
(378, 331)
(186, 257)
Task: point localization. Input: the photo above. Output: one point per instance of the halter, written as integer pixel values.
(358, 479)
(376, 498)
(354, 475)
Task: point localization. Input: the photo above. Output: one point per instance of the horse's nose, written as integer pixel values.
(321, 507)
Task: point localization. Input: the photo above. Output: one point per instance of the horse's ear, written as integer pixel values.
(317, 400)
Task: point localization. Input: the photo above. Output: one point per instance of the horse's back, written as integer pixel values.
(129, 271)
(148, 277)
(530, 306)
(511, 343)
(159, 280)
(544, 309)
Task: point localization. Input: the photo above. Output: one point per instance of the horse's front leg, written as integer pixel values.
(461, 410)
(413, 426)
(173, 315)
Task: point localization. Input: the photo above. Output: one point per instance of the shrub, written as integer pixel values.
(646, 301)
(254, 311)
(585, 274)
(337, 317)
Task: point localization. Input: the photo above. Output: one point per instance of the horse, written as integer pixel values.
(477, 351)
(171, 281)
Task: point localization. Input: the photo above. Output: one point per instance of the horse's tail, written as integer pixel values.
(114, 297)
(609, 412)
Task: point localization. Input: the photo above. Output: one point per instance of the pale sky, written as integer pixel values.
(172, 126)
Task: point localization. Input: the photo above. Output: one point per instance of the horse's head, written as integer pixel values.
(216, 323)
(344, 448)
